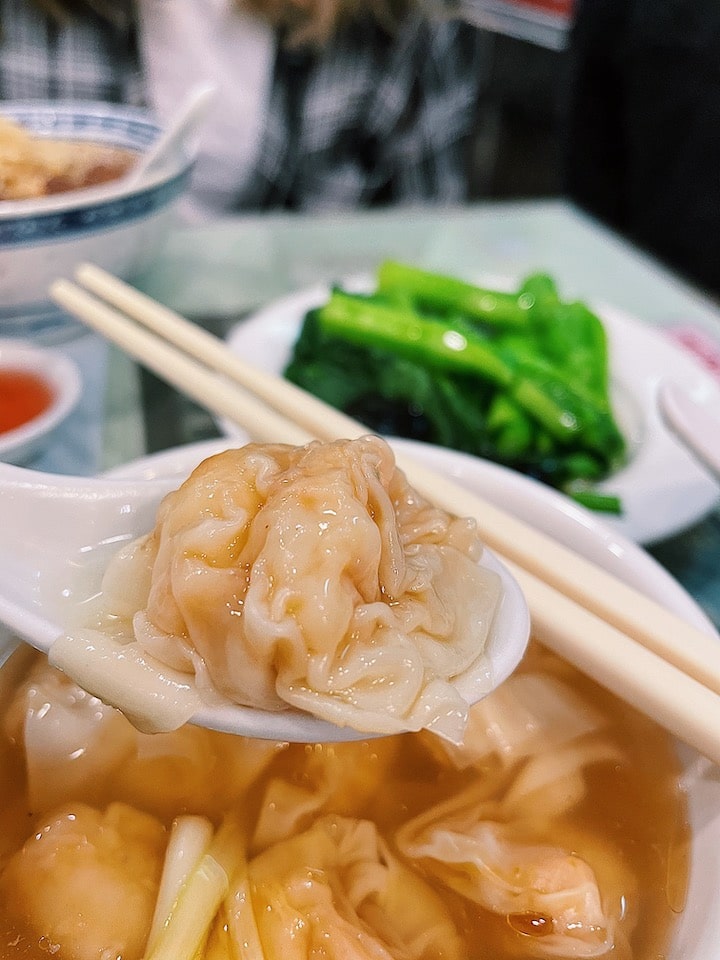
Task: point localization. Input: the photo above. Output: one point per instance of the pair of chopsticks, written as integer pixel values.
(630, 644)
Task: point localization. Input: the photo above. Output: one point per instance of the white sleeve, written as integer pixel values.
(186, 42)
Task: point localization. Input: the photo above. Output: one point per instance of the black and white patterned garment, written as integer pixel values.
(374, 119)
(371, 119)
(91, 58)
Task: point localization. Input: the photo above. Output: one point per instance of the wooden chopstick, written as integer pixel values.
(632, 644)
(675, 700)
(300, 406)
(176, 367)
(573, 575)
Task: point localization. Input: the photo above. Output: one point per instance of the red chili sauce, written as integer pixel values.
(23, 396)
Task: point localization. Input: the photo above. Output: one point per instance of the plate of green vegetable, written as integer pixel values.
(512, 373)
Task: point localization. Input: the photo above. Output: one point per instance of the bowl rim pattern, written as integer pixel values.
(74, 211)
(104, 214)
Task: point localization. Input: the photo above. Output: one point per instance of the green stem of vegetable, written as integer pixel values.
(510, 427)
(407, 334)
(536, 387)
(569, 335)
(600, 502)
(451, 295)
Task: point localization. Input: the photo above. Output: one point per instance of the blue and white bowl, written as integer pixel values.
(118, 225)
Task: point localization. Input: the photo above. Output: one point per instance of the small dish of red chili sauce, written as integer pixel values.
(38, 389)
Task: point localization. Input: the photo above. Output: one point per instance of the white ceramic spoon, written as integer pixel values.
(178, 133)
(57, 534)
(694, 422)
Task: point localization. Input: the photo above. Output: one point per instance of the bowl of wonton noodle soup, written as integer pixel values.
(565, 825)
(65, 198)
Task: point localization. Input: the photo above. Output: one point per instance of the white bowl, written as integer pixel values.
(62, 377)
(118, 225)
(697, 936)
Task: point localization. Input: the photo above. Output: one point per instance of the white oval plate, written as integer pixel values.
(698, 933)
(663, 489)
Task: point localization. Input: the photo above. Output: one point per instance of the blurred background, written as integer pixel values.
(614, 103)
(517, 150)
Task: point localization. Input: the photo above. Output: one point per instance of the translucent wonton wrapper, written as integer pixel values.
(531, 713)
(495, 852)
(341, 777)
(75, 745)
(313, 577)
(337, 892)
(86, 881)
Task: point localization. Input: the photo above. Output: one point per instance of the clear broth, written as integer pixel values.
(636, 806)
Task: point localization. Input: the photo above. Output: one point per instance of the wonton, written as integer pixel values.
(313, 577)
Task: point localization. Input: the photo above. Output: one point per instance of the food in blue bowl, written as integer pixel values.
(79, 205)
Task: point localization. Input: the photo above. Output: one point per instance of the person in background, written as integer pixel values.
(322, 105)
(642, 141)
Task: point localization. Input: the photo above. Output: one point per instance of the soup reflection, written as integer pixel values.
(556, 830)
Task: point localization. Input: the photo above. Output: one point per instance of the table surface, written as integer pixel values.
(218, 273)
